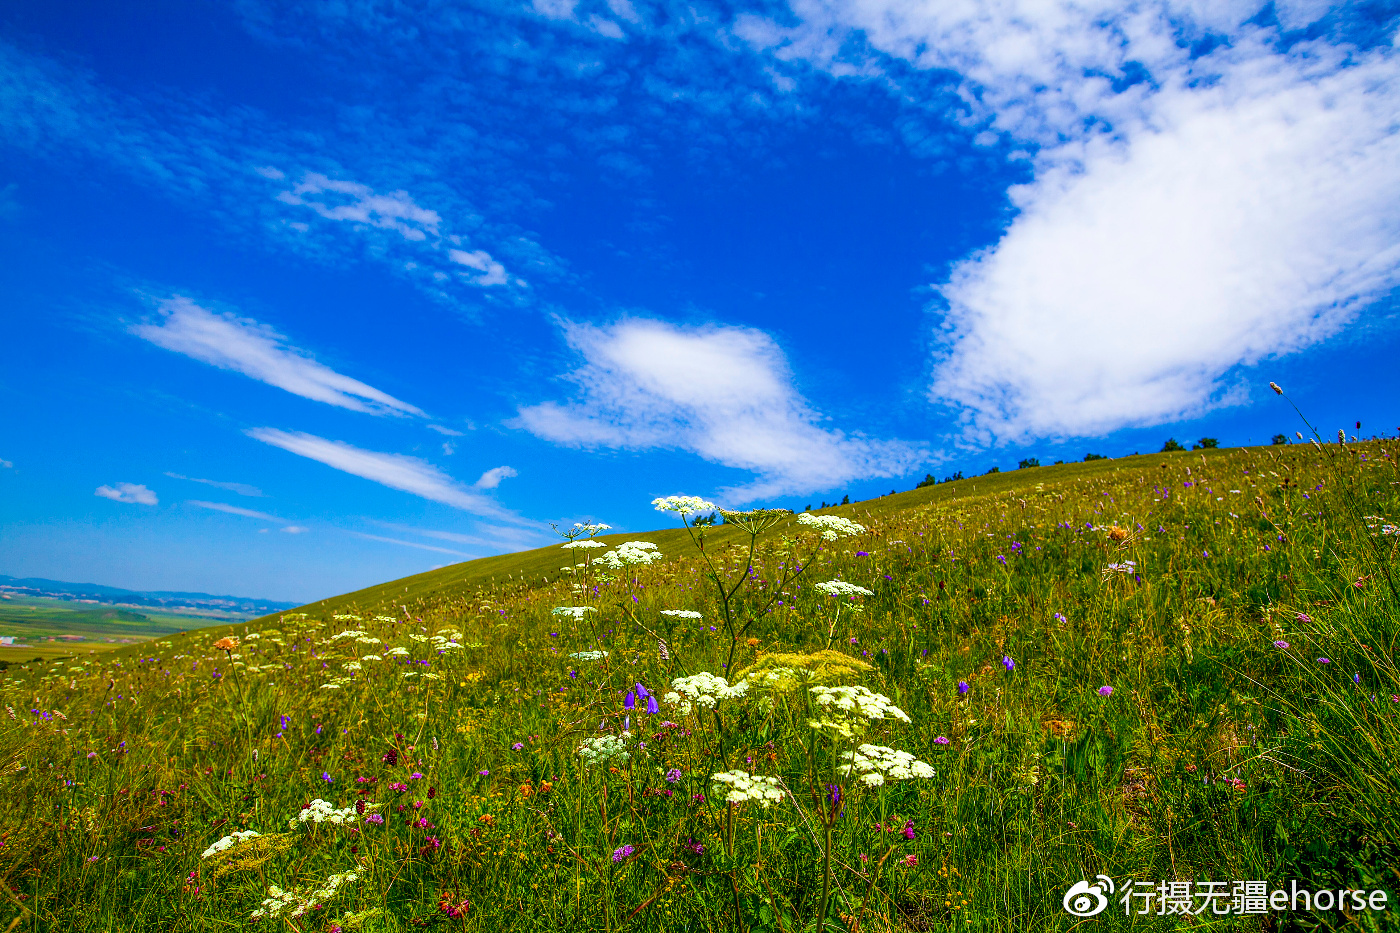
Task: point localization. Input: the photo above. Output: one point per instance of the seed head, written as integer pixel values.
(227, 643)
(1277, 390)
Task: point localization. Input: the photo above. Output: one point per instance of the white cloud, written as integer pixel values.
(295, 530)
(132, 493)
(256, 350)
(492, 272)
(243, 489)
(444, 430)
(406, 474)
(724, 393)
(492, 477)
(355, 203)
(6, 465)
(1252, 219)
(236, 510)
(1229, 208)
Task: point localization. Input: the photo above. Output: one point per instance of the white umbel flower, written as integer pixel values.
(742, 787)
(573, 545)
(847, 709)
(630, 553)
(603, 748)
(705, 689)
(875, 764)
(842, 588)
(228, 842)
(831, 527)
(573, 612)
(683, 504)
(681, 613)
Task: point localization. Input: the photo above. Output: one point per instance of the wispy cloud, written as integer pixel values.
(724, 393)
(295, 529)
(1207, 191)
(133, 493)
(242, 489)
(406, 474)
(492, 477)
(245, 346)
(260, 179)
(6, 465)
(236, 510)
(413, 544)
(450, 432)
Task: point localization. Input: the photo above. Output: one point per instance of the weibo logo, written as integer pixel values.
(1085, 900)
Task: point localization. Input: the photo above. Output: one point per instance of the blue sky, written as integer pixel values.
(301, 297)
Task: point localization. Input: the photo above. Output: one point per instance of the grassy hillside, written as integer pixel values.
(1166, 670)
(543, 564)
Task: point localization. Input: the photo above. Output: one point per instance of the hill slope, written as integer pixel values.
(1167, 669)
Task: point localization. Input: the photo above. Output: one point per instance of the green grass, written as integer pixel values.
(52, 628)
(1218, 756)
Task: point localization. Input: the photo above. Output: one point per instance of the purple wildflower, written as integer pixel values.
(963, 688)
(1105, 691)
(1007, 663)
(673, 775)
(1280, 644)
(622, 853)
(941, 740)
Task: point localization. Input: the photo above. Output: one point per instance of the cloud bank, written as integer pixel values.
(723, 393)
(242, 345)
(1204, 194)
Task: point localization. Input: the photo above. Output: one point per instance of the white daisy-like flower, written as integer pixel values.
(742, 787)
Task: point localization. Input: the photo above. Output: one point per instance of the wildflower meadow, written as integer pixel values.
(937, 710)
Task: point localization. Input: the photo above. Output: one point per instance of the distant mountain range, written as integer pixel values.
(111, 595)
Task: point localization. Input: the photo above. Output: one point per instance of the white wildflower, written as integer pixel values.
(280, 900)
(681, 613)
(573, 612)
(830, 527)
(396, 652)
(349, 633)
(706, 690)
(1127, 566)
(602, 749)
(847, 709)
(585, 544)
(351, 665)
(629, 553)
(366, 640)
(742, 787)
(229, 842)
(842, 588)
(371, 657)
(682, 706)
(589, 655)
(320, 811)
(683, 504)
(875, 764)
